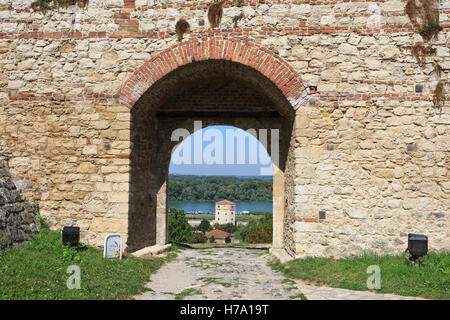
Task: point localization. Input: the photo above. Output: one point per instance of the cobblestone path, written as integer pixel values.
(235, 273)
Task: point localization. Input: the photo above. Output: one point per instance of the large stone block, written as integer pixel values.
(109, 225)
(357, 213)
(300, 226)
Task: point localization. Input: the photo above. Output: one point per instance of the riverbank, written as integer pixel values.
(242, 207)
(211, 217)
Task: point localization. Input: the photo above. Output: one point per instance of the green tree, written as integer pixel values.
(229, 227)
(258, 230)
(204, 226)
(212, 239)
(179, 228)
(241, 232)
(198, 237)
(218, 188)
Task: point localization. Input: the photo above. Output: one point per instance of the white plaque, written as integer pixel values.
(113, 246)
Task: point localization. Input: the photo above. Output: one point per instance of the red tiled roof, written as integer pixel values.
(218, 234)
(225, 202)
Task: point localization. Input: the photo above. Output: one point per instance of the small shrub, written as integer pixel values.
(204, 226)
(430, 31)
(198, 237)
(237, 18)
(181, 28)
(215, 12)
(260, 231)
(427, 14)
(439, 94)
(179, 229)
(421, 52)
(229, 227)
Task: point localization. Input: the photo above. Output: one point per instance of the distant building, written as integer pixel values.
(219, 235)
(194, 223)
(225, 212)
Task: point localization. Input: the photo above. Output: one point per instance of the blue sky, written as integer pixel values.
(221, 150)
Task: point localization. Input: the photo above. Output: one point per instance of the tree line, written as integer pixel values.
(215, 188)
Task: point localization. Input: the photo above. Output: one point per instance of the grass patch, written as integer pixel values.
(187, 292)
(225, 284)
(291, 288)
(38, 271)
(176, 247)
(288, 281)
(208, 280)
(229, 245)
(431, 280)
(298, 296)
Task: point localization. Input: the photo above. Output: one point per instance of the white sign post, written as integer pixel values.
(113, 246)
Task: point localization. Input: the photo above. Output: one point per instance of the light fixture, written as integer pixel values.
(417, 247)
(71, 235)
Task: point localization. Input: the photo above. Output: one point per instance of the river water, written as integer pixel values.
(195, 206)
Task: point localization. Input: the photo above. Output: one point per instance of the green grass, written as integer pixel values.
(208, 280)
(291, 288)
(187, 292)
(37, 270)
(289, 281)
(298, 296)
(398, 276)
(208, 245)
(177, 247)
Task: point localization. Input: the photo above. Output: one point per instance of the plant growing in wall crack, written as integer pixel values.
(215, 12)
(45, 5)
(439, 94)
(181, 28)
(237, 18)
(426, 13)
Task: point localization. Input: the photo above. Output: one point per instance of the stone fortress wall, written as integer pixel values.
(369, 149)
(18, 219)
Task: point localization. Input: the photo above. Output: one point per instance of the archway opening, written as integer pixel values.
(213, 92)
(221, 179)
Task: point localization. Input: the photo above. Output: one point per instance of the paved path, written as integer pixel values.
(235, 273)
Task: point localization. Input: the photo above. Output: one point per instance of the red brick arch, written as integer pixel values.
(270, 65)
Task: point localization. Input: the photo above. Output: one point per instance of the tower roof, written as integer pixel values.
(225, 202)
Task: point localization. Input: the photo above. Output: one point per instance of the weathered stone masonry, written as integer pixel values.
(88, 99)
(18, 220)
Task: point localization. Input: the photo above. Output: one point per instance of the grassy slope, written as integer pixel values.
(398, 276)
(38, 271)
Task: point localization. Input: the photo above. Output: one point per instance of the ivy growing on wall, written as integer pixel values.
(425, 15)
(425, 12)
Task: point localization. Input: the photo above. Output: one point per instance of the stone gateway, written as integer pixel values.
(89, 98)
